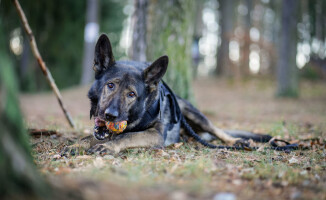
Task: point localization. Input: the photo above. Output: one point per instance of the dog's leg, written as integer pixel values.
(149, 138)
(200, 123)
(80, 146)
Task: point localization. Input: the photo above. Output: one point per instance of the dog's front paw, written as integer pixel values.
(104, 149)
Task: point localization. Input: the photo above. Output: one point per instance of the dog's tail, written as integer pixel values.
(263, 138)
(240, 134)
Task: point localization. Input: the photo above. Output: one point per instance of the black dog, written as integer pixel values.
(134, 92)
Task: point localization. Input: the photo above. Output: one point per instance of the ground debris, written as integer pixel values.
(43, 132)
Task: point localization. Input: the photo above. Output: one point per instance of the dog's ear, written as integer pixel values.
(154, 73)
(92, 95)
(103, 54)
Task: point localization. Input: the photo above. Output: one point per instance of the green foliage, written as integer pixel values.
(58, 27)
(310, 73)
(171, 33)
(111, 23)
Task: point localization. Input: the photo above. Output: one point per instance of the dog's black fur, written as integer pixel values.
(134, 91)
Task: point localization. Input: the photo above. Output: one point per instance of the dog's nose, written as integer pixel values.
(111, 114)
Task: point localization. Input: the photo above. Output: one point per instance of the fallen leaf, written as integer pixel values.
(178, 145)
(84, 157)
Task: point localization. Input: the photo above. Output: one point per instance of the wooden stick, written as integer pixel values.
(41, 63)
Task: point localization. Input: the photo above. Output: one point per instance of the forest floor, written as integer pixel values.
(191, 171)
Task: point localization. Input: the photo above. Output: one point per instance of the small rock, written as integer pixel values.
(87, 131)
(237, 182)
(108, 157)
(225, 196)
(306, 183)
(179, 195)
(293, 160)
(317, 177)
(295, 195)
(56, 156)
(284, 183)
(98, 162)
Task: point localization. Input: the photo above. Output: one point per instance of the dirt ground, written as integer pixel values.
(190, 171)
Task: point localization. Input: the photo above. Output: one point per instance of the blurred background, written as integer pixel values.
(238, 39)
(231, 58)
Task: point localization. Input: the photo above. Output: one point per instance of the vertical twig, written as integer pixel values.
(41, 63)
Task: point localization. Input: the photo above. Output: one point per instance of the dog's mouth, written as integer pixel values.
(107, 130)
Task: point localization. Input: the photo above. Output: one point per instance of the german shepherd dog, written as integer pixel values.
(134, 92)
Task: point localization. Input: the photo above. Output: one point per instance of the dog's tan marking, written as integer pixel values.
(149, 138)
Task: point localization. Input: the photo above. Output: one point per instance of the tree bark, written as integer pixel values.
(90, 36)
(287, 72)
(244, 67)
(223, 60)
(170, 31)
(18, 175)
(139, 45)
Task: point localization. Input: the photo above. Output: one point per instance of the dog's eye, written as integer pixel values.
(131, 94)
(111, 85)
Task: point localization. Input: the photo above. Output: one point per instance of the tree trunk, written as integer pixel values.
(245, 70)
(287, 75)
(226, 22)
(18, 175)
(198, 29)
(138, 47)
(170, 31)
(90, 36)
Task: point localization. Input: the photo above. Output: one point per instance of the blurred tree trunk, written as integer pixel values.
(24, 59)
(226, 25)
(170, 31)
(276, 7)
(287, 72)
(245, 71)
(19, 178)
(139, 23)
(90, 36)
(198, 29)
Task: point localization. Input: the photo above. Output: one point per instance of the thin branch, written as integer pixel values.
(41, 63)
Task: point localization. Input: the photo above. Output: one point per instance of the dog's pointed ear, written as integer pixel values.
(103, 54)
(155, 72)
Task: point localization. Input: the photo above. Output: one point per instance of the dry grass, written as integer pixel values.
(191, 171)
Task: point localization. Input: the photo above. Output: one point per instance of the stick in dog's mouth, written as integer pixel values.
(103, 129)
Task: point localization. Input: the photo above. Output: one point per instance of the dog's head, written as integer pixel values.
(122, 90)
